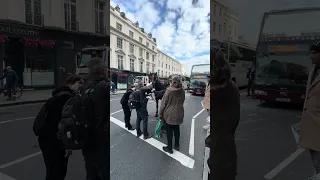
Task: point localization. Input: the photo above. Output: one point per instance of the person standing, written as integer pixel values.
(141, 109)
(11, 80)
(225, 97)
(54, 153)
(96, 148)
(310, 121)
(172, 113)
(250, 81)
(126, 109)
(206, 103)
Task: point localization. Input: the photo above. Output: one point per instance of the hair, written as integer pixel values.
(133, 86)
(72, 79)
(96, 66)
(176, 82)
(220, 70)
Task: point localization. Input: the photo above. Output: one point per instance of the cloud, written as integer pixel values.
(181, 27)
(204, 59)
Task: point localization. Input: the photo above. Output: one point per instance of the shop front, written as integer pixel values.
(123, 79)
(29, 53)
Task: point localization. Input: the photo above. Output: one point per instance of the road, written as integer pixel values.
(265, 142)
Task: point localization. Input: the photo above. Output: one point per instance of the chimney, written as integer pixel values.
(123, 15)
(136, 24)
(154, 40)
(142, 30)
(150, 35)
(117, 8)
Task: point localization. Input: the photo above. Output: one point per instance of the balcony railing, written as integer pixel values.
(72, 25)
(100, 30)
(35, 19)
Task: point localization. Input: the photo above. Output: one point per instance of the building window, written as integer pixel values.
(120, 62)
(147, 44)
(224, 28)
(70, 15)
(166, 66)
(220, 12)
(33, 12)
(147, 56)
(152, 47)
(153, 66)
(119, 43)
(131, 64)
(140, 52)
(215, 9)
(131, 34)
(141, 66)
(166, 74)
(140, 39)
(99, 16)
(214, 26)
(169, 67)
(220, 27)
(148, 67)
(153, 57)
(131, 48)
(161, 73)
(158, 72)
(119, 26)
(162, 64)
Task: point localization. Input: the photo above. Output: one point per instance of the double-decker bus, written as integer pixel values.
(87, 54)
(199, 78)
(283, 63)
(240, 58)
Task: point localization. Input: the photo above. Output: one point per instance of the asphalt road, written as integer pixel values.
(265, 140)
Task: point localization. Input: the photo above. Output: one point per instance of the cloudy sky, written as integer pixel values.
(181, 27)
(250, 18)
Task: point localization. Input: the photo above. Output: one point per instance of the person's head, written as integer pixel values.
(220, 69)
(176, 82)
(97, 68)
(74, 82)
(315, 54)
(139, 84)
(133, 87)
(9, 68)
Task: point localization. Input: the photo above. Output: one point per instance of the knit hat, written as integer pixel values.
(315, 47)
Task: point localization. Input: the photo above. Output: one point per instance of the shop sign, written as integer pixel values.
(123, 75)
(18, 31)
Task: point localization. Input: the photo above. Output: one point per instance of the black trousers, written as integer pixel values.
(157, 105)
(55, 162)
(97, 162)
(173, 130)
(11, 90)
(249, 88)
(127, 115)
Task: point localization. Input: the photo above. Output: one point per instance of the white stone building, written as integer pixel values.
(224, 22)
(166, 65)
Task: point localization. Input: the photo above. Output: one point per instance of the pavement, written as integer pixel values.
(266, 143)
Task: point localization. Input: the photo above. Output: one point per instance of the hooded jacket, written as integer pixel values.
(171, 108)
(11, 77)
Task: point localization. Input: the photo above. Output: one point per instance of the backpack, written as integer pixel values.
(134, 99)
(40, 122)
(125, 97)
(76, 124)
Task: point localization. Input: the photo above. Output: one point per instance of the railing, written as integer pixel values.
(100, 30)
(35, 19)
(72, 25)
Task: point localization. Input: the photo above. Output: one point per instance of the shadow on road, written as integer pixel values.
(279, 105)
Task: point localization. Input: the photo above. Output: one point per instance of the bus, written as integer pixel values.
(282, 64)
(199, 78)
(184, 80)
(87, 54)
(240, 58)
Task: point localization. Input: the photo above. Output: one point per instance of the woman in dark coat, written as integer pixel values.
(225, 110)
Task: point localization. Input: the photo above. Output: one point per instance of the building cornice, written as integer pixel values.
(169, 56)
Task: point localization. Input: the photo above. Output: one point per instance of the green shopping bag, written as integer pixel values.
(157, 131)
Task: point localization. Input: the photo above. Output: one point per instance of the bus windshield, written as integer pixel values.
(198, 78)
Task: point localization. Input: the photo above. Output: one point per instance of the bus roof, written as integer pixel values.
(240, 45)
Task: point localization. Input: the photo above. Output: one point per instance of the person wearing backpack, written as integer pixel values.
(46, 128)
(126, 109)
(96, 148)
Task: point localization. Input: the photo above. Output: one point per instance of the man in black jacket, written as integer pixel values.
(142, 112)
(126, 109)
(96, 149)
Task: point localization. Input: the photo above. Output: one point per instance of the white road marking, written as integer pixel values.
(283, 164)
(5, 177)
(19, 160)
(191, 143)
(114, 99)
(205, 164)
(116, 112)
(183, 159)
(13, 120)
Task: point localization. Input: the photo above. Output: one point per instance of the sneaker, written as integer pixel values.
(147, 137)
(167, 149)
(206, 127)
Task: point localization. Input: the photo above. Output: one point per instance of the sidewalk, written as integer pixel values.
(35, 96)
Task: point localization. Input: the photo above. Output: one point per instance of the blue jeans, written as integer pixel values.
(142, 115)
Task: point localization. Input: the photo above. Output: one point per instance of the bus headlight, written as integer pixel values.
(259, 92)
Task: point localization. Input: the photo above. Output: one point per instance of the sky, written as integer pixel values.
(250, 18)
(181, 27)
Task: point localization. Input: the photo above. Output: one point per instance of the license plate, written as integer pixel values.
(198, 92)
(283, 99)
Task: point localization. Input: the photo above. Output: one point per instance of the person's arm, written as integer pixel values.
(3, 76)
(163, 103)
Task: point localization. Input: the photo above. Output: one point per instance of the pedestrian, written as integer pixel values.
(172, 113)
(54, 153)
(141, 109)
(159, 96)
(206, 103)
(310, 129)
(96, 148)
(226, 114)
(158, 93)
(126, 109)
(11, 81)
(250, 81)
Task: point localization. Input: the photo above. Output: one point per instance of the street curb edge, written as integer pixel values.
(22, 103)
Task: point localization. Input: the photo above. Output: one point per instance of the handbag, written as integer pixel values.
(208, 141)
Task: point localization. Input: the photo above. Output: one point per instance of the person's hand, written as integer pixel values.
(68, 153)
(209, 170)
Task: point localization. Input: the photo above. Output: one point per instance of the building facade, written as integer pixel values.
(167, 66)
(40, 38)
(225, 22)
(134, 52)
